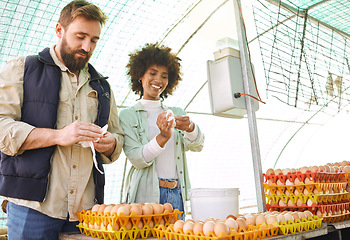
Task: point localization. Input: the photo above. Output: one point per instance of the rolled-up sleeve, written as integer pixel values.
(13, 132)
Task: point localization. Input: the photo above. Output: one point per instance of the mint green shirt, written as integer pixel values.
(142, 181)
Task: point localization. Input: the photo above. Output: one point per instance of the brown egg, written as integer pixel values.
(108, 209)
(308, 213)
(292, 170)
(220, 227)
(97, 226)
(319, 214)
(140, 225)
(123, 209)
(241, 223)
(297, 181)
(304, 169)
(231, 223)
(151, 224)
(101, 208)
(91, 226)
(198, 227)
(299, 202)
(231, 216)
(178, 225)
(188, 226)
(289, 182)
(321, 168)
(290, 203)
(136, 209)
(147, 209)
(128, 225)
(168, 207)
(250, 219)
(208, 227)
(278, 171)
(295, 215)
(307, 180)
(289, 217)
(260, 219)
(285, 171)
(209, 219)
(327, 168)
(95, 208)
(281, 218)
(115, 209)
(271, 219)
(281, 203)
(309, 202)
(269, 172)
(301, 215)
(158, 208)
(314, 169)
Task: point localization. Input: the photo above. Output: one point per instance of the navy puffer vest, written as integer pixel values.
(26, 176)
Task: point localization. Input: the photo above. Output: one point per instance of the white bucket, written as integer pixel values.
(213, 202)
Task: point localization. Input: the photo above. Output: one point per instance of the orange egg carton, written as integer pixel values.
(318, 176)
(299, 225)
(304, 207)
(327, 193)
(252, 233)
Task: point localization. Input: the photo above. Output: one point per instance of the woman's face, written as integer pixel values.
(154, 82)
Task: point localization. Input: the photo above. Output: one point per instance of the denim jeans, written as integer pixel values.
(27, 224)
(172, 196)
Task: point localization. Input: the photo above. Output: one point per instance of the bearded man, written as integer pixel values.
(50, 104)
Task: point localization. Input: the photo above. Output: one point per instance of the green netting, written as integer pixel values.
(306, 64)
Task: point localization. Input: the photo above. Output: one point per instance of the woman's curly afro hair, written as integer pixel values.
(151, 54)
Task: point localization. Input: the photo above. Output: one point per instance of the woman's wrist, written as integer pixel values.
(190, 127)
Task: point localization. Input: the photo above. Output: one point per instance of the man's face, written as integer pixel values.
(78, 41)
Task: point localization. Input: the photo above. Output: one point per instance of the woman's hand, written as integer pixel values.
(184, 123)
(165, 129)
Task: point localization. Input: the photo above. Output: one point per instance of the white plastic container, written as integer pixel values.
(213, 202)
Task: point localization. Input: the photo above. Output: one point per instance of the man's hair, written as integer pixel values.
(81, 8)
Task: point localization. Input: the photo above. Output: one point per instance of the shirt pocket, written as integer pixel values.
(92, 105)
(64, 113)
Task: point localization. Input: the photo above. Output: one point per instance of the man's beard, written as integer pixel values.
(68, 55)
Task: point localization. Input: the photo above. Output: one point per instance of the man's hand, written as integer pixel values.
(106, 144)
(78, 132)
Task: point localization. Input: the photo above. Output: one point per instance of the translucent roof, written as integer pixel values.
(300, 50)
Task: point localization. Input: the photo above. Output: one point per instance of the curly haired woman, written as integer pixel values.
(154, 146)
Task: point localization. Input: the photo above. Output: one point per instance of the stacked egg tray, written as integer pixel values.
(87, 217)
(251, 233)
(331, 198)
(298, 225)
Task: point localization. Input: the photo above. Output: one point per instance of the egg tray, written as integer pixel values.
(311, 186)
(91, 217)
(121, 234)
(341, 196)
(336, 218)
(252, 233)
(325, 210)
(278, 208)
(318, 176)
(299, 225)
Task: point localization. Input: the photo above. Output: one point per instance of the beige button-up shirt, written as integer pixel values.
(70, 186)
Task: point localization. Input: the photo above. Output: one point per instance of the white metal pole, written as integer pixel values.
(247, 76)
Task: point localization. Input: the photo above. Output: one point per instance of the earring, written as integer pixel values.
(140, 81)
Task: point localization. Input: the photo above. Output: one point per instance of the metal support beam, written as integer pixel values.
(247, 77)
